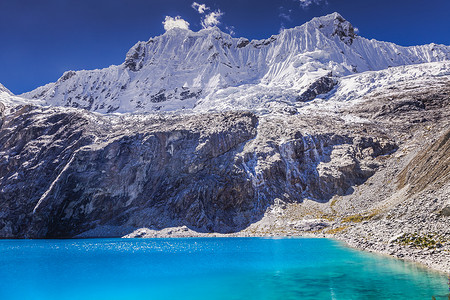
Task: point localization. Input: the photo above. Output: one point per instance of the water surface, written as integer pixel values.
(206, 268)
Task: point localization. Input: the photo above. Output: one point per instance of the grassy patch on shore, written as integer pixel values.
(358, 218)
(416, 240)
(337, 230)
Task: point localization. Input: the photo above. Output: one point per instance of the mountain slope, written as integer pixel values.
(212, 172)
(183, 70)
(91, 174)
(7, 98)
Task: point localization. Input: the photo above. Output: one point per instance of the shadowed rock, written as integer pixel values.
(321, 86)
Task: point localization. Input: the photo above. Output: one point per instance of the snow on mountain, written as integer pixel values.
(353, 89)
(346, 90)
(209, 70)
(4, 90)
(364, 84)
(9, 99)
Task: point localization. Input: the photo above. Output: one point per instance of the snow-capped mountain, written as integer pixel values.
(185, 70)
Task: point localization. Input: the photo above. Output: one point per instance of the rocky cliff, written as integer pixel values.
(64, 171)
(403, 208)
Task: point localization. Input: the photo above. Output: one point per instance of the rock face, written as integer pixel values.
(321, 86)
(64, 171)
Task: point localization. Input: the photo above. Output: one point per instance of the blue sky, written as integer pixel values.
(40, 39)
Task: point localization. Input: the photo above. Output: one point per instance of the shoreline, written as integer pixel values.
(432, 267)
(435, 262)
(440, 263)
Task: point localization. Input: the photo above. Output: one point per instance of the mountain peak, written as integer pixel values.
(211, 29)
(335, 25)
(176, 30)
(3, 89)
(332, 18)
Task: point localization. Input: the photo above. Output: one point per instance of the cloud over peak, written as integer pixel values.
(212, 19)
(208, 20)
(176, 22)
(201, 8)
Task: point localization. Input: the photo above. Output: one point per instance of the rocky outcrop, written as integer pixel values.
(320, 86)
(66, 171)
(344, 30)
(135, 57)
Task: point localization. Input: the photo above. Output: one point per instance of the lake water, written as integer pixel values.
(206, 268)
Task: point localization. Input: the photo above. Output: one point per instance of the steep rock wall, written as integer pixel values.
(66, 171)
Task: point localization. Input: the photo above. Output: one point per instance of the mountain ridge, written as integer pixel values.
(181, 69)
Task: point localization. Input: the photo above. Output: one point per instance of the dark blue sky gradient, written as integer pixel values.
(40, 39)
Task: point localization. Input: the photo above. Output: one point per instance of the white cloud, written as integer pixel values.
(177, 22)
(212, 19)
(306, 3)
(201, 8)
(285, 13)
(230, 30)
(208, 20)
(286, 17)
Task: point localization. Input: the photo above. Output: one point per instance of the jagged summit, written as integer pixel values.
(335, 25)
(183, 70)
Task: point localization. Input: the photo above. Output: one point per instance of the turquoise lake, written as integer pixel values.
(206, 268)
